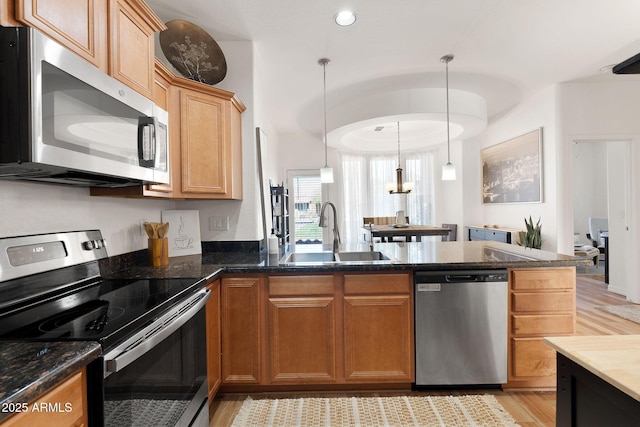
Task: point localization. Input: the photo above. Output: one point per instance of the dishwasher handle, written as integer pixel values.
(470, 276)
(462, 278)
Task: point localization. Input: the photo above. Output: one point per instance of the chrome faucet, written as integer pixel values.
(336, 231)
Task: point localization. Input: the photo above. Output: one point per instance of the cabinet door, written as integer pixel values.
(79, 25)
(204, 157)
(378, 328)
(132, 49)
(302, 339)
(301, 329)
(377, 340)
(241, 333)
(214, 368)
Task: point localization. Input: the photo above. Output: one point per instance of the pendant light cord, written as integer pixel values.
(448, 58)
(399, 164)
(447, 84)
(324, 62)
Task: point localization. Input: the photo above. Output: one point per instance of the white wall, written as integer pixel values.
(608, 111)
(539, 111)
(32, 208)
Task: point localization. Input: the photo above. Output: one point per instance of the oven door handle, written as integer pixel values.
(156, 332)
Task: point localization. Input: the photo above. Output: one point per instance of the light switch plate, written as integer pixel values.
(218, 223)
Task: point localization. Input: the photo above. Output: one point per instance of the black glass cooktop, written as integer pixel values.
(104, 312)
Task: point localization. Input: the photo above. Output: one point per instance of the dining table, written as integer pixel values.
(386, 233)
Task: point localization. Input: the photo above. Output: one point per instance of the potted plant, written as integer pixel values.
(532, 238)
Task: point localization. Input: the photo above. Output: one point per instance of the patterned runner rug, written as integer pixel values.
(628, 312)
(471, 410)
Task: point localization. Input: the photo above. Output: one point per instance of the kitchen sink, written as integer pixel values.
(297, 257)
(361, 256)
(307, 258)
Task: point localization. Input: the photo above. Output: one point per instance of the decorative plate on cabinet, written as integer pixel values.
(193, 52)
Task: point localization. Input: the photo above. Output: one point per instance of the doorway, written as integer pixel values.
(602, 188)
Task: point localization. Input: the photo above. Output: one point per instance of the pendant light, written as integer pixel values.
(448, 170)
(399, 187)
(326, 173)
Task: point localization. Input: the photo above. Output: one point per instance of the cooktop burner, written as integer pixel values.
(114, 308)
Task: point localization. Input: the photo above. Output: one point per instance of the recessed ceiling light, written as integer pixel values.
(345, 18)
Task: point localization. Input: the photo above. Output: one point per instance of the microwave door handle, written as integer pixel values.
(146, 142)
(154, 335)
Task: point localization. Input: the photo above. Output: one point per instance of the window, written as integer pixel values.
(306, 192)
(364, 180)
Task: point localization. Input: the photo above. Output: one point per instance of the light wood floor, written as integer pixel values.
(529, 408)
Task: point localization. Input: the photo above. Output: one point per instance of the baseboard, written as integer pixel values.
(617, 290)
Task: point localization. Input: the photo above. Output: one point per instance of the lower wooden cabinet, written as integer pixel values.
(70, 396)
(322, 329)
(301, 329)
(542, 302)
(214, 367)
(241, 333)
(378, 328)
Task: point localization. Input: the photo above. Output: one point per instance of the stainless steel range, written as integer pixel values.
(152, 332)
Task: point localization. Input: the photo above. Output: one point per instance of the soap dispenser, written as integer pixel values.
(273, 243)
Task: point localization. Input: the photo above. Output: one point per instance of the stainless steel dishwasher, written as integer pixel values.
(461, 327)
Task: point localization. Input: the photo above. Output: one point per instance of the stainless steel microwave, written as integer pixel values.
(63, 120)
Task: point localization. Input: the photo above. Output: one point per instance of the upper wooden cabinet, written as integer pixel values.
(79, 25)
(114, 35)
(131, 45)
(210, 143)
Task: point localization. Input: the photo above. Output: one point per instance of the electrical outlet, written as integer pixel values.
(218, 223)
(142, 230)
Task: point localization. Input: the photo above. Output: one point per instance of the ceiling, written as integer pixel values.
(505, 51)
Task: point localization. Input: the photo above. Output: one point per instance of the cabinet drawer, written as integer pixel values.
(549, 324)
(543, 301)
(300, 285)
(376, 284)
(543, 278)
(532, 358)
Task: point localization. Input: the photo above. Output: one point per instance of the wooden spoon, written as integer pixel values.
(162, 229)
(149, 229)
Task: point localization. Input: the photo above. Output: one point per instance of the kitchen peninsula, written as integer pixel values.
(260, 289)
(350, 325)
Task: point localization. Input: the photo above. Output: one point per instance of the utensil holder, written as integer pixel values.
(159, 252)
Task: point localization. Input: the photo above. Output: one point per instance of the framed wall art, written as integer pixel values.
(184, 232)
(512, 170)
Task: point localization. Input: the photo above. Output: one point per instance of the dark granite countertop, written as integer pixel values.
(426, 255)
(29, 369)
